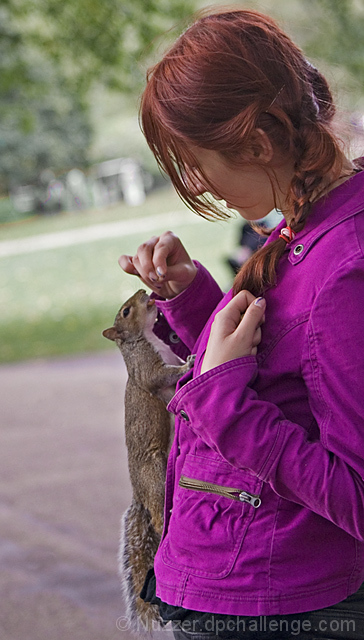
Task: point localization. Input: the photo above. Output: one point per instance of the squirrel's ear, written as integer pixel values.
(110, 334)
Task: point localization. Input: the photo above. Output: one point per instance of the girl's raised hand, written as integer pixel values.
(234, 335)
(163, 264)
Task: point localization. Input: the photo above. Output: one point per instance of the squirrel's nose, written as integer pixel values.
(150, 303)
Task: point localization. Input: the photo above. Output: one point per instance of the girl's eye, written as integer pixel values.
(126, 312)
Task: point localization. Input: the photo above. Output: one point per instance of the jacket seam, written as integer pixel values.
(221, 464)
(182, 588)
(315, 365)
(292, 325)
(271, 547)
(254, 598)
(313, 237)
(360, 247)
(276, 448)
(355, 567)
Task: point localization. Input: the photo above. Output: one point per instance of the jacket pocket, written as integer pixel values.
(212, 509)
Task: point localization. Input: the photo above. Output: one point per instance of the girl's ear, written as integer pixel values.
(261, 146)
(110, 334)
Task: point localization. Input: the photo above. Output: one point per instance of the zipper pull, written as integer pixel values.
(255, 501)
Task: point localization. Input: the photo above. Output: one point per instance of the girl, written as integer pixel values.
(264, 519)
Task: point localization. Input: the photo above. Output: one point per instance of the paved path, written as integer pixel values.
(63, 487)
(95, 232)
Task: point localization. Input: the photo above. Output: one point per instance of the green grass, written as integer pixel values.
(57, 302)
(8, 213)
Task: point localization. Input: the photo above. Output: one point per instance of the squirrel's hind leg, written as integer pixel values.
(151, 487)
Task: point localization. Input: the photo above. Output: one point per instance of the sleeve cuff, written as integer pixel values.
(188, 312)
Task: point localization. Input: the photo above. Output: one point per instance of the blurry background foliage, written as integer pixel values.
(71, 73)
(62, 63)
(52, 54)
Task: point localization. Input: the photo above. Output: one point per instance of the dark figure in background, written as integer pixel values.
(249, 241)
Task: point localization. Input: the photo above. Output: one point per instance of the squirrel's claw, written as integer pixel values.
(191, 360)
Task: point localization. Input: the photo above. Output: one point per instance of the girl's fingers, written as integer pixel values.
(149, 279)
(257, 337)
(231, 316)
(126, 263)
(242, 300)
(170, 257)
(236, 331)
(151, 257)
(252, 320)
(131, 265)
(164, 249)
(143, 260)
(163, 265)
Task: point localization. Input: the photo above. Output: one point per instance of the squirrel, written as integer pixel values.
(153, 371)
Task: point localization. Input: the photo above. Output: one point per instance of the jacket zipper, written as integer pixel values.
(227, 492)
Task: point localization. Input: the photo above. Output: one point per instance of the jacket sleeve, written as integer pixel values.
(188, 312)
(325, 475)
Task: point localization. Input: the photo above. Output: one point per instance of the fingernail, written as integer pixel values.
(260, 302)
(160, 272)
(152, 277)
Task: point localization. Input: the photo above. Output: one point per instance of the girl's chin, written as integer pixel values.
(247, 214)
(252, 217)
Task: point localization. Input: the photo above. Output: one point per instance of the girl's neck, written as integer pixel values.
(348, 170)
(284, 174)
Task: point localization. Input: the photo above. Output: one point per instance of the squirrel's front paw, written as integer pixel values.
(190, 361)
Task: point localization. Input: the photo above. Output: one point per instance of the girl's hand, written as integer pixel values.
(163, 264)
(233, 336)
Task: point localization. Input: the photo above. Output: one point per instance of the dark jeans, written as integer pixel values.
(343, 621)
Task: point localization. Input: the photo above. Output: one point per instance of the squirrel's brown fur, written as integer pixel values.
(153, 370)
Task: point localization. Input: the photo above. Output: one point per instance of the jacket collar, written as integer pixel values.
(338, 205)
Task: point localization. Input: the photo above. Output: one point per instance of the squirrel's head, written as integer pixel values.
(137, 314)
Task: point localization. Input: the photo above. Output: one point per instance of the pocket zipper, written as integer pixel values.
(227, 492)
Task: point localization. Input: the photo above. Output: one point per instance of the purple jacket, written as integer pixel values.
(265, 490)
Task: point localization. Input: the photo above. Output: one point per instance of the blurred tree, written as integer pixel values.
(107, 39)
(53, 51)
(336, 35)
(42, 125)
(330, 31)
(50, 54)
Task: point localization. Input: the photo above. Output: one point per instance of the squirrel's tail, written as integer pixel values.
(138, 545)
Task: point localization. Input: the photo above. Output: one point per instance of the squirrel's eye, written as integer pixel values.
(126, 312)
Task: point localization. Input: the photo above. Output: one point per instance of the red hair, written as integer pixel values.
(228, 74)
